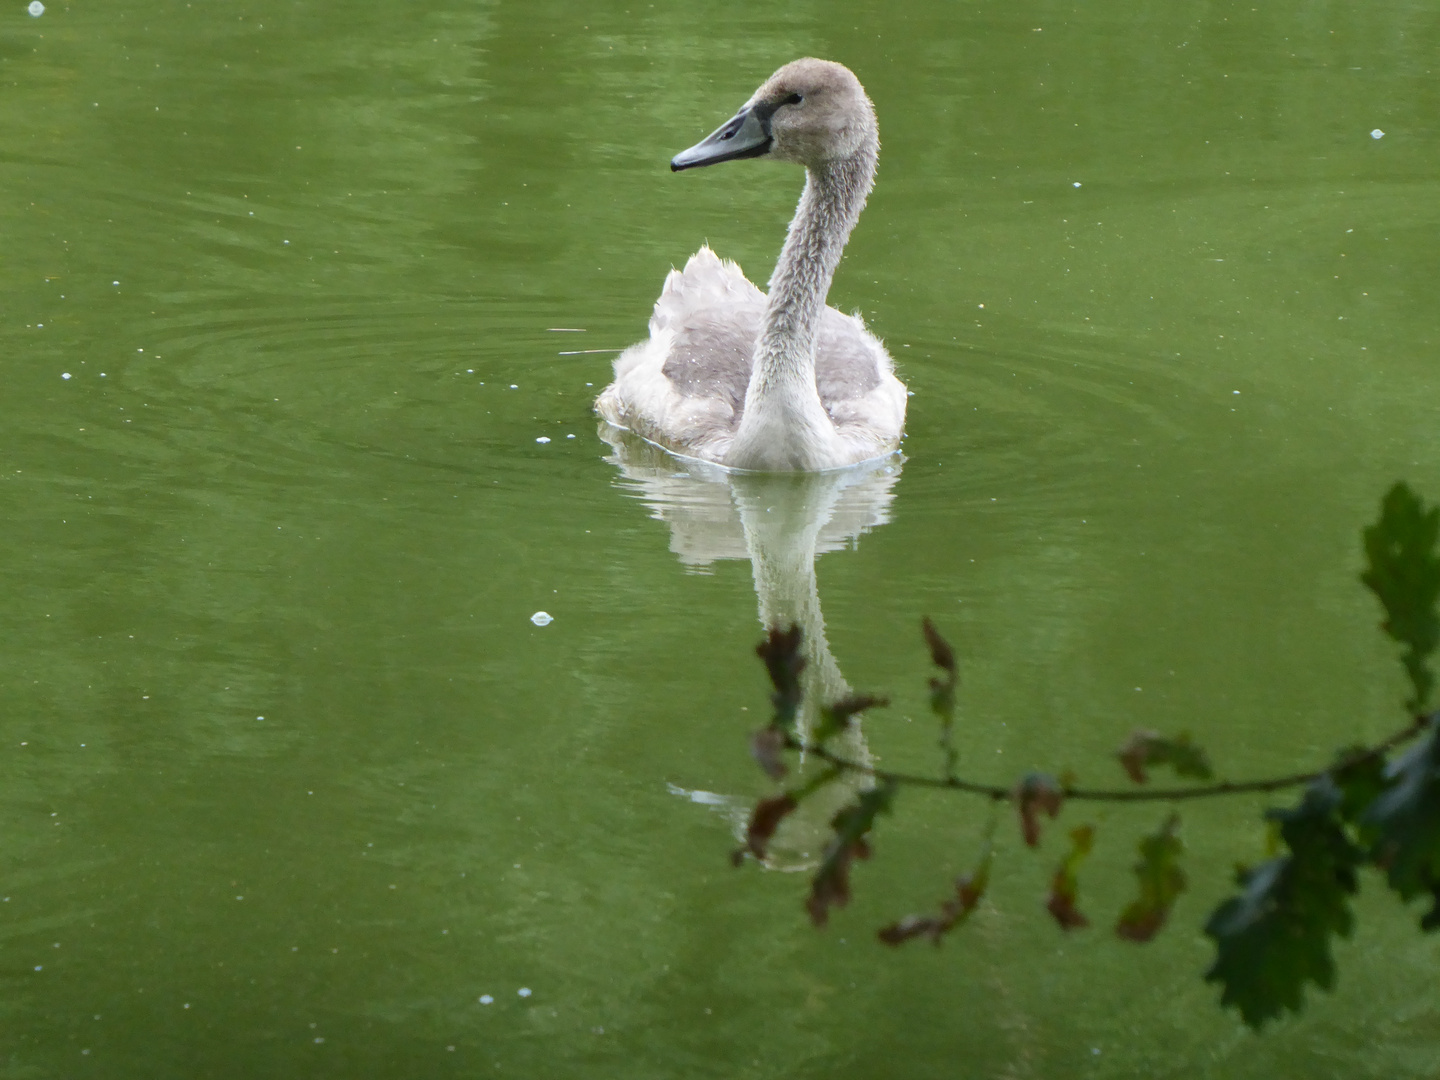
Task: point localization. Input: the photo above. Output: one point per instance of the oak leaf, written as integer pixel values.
(1036, 793)
(969, 889)
(1403, 571)
(1149, 748)
(1065, 885)
(830, 887)
(1274, 937)
(1161, 882)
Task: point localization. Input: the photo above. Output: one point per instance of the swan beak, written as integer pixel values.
(744, 135)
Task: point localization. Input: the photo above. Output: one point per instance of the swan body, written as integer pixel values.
(772, 382)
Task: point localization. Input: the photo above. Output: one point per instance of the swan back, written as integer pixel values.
(714, 314)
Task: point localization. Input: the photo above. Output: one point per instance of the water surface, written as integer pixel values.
(290, 778)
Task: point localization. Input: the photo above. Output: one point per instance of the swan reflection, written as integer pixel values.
(780, 522)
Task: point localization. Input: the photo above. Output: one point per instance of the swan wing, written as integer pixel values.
(713, 314)
(850, 362)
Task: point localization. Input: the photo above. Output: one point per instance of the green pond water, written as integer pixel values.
(291, 293)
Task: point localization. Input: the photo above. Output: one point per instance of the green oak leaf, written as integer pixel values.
(835, 717)
(1404, 572)
(1161, 882)
(830, 887)
(1404, 821)
(1274, 937)
(1359, 773)
(1146, 748)
(1065, 885)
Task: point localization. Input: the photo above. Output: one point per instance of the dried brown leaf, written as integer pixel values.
(969, 888)
(831, 886)
(766, 746)
(1036, 793)
(1135, 754)
(1151, 748)
(941, 654)
(764, 820)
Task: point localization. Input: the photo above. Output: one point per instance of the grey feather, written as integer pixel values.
(713, 352)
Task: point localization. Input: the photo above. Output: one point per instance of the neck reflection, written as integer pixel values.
(780, 522)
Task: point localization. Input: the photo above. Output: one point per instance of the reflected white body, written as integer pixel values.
(781, 524)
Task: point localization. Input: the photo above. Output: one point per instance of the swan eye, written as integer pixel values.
(793, 99)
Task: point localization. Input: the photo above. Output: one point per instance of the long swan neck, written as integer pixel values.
(785, 425)
(835, 193)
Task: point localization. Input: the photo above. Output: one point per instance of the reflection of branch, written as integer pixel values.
(1224, 787)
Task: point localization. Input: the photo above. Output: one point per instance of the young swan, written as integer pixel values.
(782, 382)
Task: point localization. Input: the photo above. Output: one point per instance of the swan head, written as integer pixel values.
(809, 112)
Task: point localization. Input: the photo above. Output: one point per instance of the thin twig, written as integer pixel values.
(1224, 787)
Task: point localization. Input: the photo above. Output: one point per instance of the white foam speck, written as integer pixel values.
(543, 439)
(1076, 184)
(1377, 134)
(486, 999)
(569, 436)
(542, 618)
(36, 8)
(524, 991)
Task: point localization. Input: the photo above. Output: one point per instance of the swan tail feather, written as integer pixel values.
(707, 281)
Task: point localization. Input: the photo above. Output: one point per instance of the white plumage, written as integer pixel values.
(778, 382)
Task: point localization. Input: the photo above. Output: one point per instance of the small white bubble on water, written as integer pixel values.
(524, 991)
(36, 8)
(542, 618)
(65, 374)
(486, 999)
(543, 439)
(1377, 134)
(1076, 184)
(514, 387)
(569, 436)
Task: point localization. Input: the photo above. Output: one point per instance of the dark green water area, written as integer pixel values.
(292, 295)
